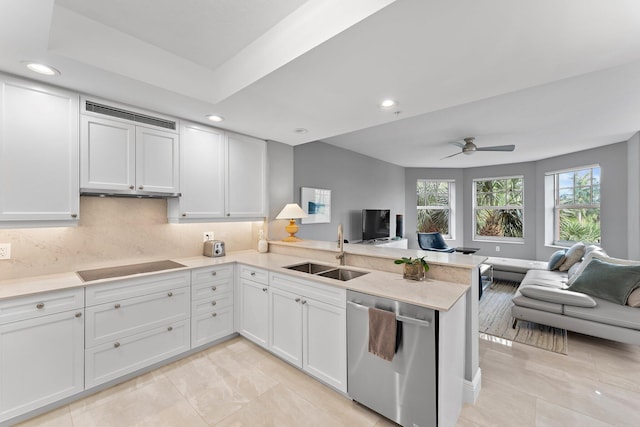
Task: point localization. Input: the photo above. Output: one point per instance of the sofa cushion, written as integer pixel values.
(634, 298)
(554, 279)
(558, 296)
(573, 255)
(515, 265)
(607, 312)
(536, 304)
(556, 259)
(610, 282)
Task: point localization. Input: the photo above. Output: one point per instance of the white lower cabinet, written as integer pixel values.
(308, 327)
(254, 304)
(41, 350)
(138, 322)
(211, 304)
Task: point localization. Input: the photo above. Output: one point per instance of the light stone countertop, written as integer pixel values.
(435, 294)
(455, 259)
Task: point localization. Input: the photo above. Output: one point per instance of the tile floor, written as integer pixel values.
(238, 384)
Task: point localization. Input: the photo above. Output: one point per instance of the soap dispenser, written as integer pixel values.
(263, 245)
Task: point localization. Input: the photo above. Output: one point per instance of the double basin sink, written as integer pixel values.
(337, 273)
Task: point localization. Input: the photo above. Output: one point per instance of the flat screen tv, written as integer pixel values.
(376, 224)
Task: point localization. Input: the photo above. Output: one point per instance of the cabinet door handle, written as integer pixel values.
(141, 187)
(214, 314)
(213, 288)
(213, 303)
(116, 345)
(40, 305)
(74, 215)
(297, 299)
(304, 301)
(78, 314)
(170, 328)
(131, 187)
(117, 305)
(170, 294)
(265, 289)
(253, 273)
(213, 273)
(184, 214)
(228, 214)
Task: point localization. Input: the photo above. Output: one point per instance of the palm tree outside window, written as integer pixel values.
(435, 200)
(499, 208)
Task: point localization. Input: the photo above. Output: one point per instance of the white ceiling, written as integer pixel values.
(550, 76)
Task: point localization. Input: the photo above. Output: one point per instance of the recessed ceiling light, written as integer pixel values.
(388, 103)
(300, 130)
(215, 118)
(42, 68)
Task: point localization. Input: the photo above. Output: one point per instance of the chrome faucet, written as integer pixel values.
(340, 256)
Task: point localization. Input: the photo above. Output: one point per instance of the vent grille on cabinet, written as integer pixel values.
(129, 115)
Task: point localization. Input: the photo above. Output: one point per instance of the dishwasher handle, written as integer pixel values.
(399, 317)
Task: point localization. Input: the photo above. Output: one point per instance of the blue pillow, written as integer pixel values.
(556, 259)
(611, 282)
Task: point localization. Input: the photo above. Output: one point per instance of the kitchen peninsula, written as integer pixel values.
(447, 289)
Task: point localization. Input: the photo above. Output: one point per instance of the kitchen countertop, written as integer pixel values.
(435, 294)
(450, 259)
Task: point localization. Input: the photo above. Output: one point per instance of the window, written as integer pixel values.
(499, 208)
(435, 206)
(577, 205)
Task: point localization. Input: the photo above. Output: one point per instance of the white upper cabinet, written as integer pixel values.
(120, 156)
(246, 182)
(202, 174)
(39, 160)
(222, 175)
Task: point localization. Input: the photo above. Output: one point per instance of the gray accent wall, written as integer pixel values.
(356, 182)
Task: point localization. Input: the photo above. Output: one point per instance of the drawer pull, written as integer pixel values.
(253, 273)
(40, 305)
(170, 294)
(297, 299)
(116, 345)
(265, 289)
(213, 303)
(304, 301)
(78, 314)
(116, 306)
(214, 314)
(213, 288)
(170, 328)
(213, 273)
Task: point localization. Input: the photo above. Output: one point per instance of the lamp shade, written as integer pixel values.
(292, 211)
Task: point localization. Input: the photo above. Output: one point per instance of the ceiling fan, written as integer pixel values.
(469, 147)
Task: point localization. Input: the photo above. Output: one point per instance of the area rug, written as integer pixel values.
(494, 318)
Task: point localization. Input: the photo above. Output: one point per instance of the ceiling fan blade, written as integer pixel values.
(497, 148)
(458, 144)
(451, 156)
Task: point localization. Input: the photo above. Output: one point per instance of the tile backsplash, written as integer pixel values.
(114, 231)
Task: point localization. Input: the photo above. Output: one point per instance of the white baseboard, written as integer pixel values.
(472, 388)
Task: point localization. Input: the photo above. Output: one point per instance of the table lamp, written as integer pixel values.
(291, 212)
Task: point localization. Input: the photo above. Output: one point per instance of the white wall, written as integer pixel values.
(633, 196)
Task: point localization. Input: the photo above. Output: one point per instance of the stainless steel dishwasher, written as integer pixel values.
(404, 389)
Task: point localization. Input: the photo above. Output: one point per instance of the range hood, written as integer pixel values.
(137, 195)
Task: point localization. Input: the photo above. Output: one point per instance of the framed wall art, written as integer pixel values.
(316, 202)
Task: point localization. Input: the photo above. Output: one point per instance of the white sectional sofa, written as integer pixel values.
(545, 297)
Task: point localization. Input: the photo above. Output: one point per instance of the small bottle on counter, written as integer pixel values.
(263, 245)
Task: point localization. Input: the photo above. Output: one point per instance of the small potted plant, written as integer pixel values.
(414, 268)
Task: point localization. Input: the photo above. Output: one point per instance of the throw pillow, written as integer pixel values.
(610, 282)
(599, 255)
(634, 298)
(574, 269)
(556, 259)
(573, 255)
